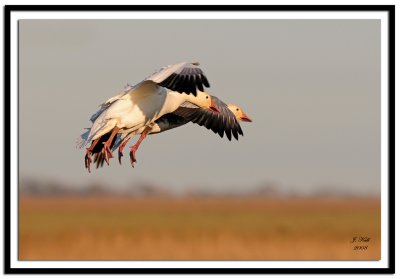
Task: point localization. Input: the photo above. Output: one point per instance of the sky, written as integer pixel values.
(311, 87)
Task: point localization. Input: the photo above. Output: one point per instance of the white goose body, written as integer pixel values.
(138, 107)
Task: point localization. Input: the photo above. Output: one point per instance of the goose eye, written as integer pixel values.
(206, 97)
(237, 109)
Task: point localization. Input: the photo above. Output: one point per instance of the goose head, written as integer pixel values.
(204, 100)
(239, 113)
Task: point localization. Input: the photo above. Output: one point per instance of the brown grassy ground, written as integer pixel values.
(111, 228)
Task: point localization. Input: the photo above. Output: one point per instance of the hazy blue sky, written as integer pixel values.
(312, 88)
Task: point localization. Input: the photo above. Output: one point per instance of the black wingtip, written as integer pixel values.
(235, 133)
(228, 134)
(205, 81)
(199, 84)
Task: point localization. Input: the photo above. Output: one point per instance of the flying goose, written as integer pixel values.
(225, 122)
(139, 106)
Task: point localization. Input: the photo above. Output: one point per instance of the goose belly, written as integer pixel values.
(134, 119)
(142, 113)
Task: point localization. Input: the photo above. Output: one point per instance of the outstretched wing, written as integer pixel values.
(182, 77)
(220, 123)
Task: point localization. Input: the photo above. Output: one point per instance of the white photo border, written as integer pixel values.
(15, 13)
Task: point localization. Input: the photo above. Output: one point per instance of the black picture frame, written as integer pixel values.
(390, 9)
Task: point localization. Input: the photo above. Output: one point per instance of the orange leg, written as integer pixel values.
(135, 147)
(106, 149)
(88, 155)
(121, 148)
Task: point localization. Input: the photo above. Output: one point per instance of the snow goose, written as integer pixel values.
(225, 122)
(139, 106)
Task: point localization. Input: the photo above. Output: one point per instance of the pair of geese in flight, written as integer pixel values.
(167, 99)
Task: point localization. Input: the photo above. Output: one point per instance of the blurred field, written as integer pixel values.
(112, 228)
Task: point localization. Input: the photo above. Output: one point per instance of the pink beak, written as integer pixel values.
(245, 118)
(214, 107)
